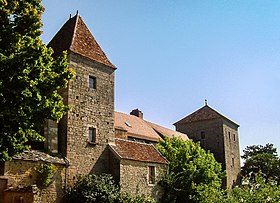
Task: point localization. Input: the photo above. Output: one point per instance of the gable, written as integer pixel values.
(202, 114)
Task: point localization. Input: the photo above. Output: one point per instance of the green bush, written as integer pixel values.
(128, 198)
(101, 189)
(93, 189)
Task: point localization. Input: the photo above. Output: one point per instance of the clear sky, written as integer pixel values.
(173, 54)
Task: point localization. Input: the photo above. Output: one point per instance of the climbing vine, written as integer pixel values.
(46, 172)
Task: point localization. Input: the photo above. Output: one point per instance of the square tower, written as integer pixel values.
(217, 134)
(85, 131)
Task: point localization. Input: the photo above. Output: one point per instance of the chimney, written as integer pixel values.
(137, 112)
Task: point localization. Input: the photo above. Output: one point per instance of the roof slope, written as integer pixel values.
(137, 151)
(204, 113)
(75, 36)
(167, 132)
(135, 126)
(140, 128)
(35, 155)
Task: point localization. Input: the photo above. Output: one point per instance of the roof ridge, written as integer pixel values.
(192, 117)
(74, 32)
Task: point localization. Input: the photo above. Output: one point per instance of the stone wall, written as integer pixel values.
(134, 178)
(89, 108)
(21, 174)
(232, 154)
(214, 136)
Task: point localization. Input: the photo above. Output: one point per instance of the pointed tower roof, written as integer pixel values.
(74, 36)
(204, 113)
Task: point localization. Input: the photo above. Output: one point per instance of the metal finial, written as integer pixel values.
(205, 102)
(70, 16)
(77, 13)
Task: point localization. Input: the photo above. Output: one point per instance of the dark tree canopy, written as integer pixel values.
(29, 77)
(262, 159)
(192, 170)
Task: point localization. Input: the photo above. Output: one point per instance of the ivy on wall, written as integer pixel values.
(45, 171)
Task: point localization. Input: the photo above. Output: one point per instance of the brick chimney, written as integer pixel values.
(137, 112)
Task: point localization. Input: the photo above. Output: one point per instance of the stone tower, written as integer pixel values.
(85, 131)
(218, 134)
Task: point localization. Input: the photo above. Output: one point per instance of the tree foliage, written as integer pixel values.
(262, 159)
(192, 170)
(29, 77)
(94, 189)
(258, 192)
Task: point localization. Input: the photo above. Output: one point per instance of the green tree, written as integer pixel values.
(257, 192)
(260, 191)
(29, 77)
(262, 159)
(192, 170)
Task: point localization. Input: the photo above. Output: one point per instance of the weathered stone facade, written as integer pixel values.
(89, 108)
(23, 179)
(134, 178)
(219, 135)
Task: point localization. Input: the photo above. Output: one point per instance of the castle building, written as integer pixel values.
(92, 138)
(218, 134)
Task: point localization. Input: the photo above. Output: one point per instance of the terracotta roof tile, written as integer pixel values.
(135, 127)
(204, 113)
(167, 132)
(137, 151)
(140, 128)
(75, 36)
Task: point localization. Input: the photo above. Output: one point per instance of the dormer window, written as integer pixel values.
(92, 82)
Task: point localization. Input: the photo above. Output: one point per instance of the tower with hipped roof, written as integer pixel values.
(218, 134)
(88, 127)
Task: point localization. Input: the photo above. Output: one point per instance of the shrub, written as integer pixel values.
(128, 198)
(93, 189)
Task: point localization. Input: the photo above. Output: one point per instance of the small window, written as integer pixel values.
(92, 135)
(232, 160)
(92, 82)
(152, 175)
(234, 137)
(229, 135)
(202, 135)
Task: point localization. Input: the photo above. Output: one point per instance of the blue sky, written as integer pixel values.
(171, 55)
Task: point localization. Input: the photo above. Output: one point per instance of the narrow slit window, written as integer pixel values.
(92, 135)
(232, 160)
(152, 175)
(92, 82)
(229, 135)
(234, 137)
(202, 135)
